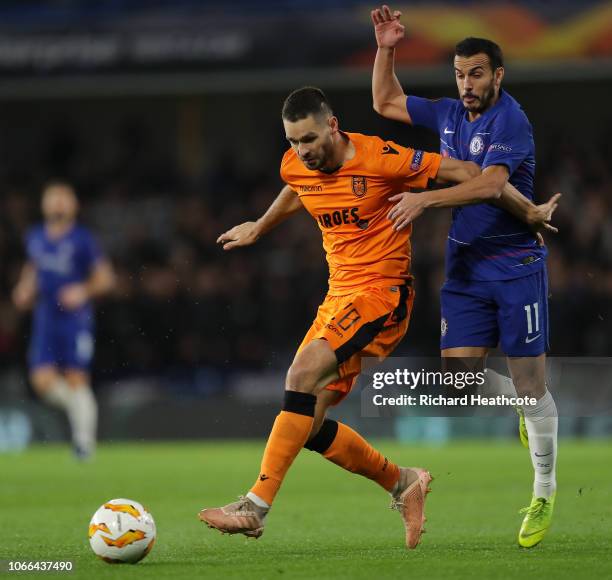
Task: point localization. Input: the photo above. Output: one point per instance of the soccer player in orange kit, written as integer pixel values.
(349, 183)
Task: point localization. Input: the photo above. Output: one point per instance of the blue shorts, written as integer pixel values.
(512, 313)
(64, 341)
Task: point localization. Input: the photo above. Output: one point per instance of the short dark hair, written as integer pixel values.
(305, 101)
(471, 46)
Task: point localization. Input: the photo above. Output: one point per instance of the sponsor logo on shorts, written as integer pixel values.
(528, 340)
(360, 185)
(334, 330)
(443, 327)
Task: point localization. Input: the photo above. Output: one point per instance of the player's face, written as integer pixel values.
(477, 83)
(312, 139)
(59, 204)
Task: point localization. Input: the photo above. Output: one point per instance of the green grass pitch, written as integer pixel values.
(326, 523)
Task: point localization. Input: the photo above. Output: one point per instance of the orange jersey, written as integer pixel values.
(351, 207)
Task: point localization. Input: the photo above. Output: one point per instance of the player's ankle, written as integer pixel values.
(407, 477)
(262, 507)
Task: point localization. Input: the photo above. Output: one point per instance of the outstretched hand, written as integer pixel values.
(387, 27)
(242, 235)
(409, 207)
(541, 215)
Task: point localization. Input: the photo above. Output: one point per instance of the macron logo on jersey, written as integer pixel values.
(388, 150)
(417, 159)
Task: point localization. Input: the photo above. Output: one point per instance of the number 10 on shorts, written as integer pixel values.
(530, 320)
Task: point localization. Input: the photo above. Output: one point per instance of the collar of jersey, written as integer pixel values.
(65, 235)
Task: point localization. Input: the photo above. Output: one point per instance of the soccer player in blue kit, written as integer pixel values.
(496, 281)
(65, 270)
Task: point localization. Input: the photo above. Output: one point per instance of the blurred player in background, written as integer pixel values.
(65, 270)
(496, 287)
(347, 182)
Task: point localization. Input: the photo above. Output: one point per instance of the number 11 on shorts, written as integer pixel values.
(536, 315)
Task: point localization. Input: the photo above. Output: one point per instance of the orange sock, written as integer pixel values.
(289, 434)
(346, 448)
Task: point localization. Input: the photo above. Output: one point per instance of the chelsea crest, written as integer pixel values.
(476, 145)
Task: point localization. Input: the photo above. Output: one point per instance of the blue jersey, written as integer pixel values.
(486, 242)
(58, 262)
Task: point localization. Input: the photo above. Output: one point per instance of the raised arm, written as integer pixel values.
(388, 96)
(286, 204)
(25, 290)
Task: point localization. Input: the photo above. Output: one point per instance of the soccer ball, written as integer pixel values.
(122, 530)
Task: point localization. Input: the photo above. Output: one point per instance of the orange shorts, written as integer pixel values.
(368, 323)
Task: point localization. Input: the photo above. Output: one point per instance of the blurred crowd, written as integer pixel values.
(182, 305)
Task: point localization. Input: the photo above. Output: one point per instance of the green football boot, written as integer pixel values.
(538, 517)
(524, 436)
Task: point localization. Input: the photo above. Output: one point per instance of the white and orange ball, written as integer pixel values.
(122, 531)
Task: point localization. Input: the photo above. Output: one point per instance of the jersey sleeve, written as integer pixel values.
(428, 112)
(412, 168)
(510, 143)
(284, 167)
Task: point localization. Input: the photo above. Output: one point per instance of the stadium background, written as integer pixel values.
(166, 116)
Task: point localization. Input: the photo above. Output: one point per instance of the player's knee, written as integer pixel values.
(527, 385)
(302, 377)
(76, 379)
(42, 380)
(313, 368)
